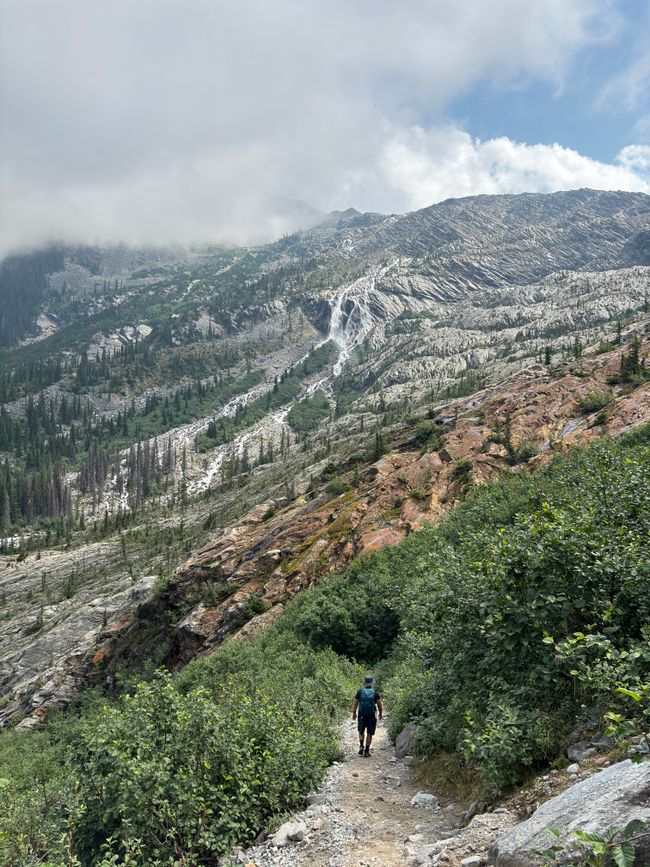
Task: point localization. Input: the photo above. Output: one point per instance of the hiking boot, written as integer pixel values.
(361, 750)
(366, 752)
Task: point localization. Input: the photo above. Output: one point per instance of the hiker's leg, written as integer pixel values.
(371, 728)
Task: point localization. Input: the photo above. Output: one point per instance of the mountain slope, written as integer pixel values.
(182, 389)
(355, 500)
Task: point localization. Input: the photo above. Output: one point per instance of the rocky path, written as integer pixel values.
(362, 816)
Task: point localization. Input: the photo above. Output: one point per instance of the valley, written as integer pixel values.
(193, 438)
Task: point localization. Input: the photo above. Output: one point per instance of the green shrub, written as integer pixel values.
(337, 486)
(187, 775)
(548, 555)
(600, 418)
(462, 470)
(595, 400)
(35, 796)
(182, 768)
(523, 453)
(427, 435)
(353, 615)
(604, 346)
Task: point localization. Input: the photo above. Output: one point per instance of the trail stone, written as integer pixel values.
(612, 798)
(573, 768)
(316, 798)
(473, 810)
(449, 833)
(290, 832)
(424, 856)
(424, 799)
(472, 861)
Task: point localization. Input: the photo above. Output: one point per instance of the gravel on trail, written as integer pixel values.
(362, 815)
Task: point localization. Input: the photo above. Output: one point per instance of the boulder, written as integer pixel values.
(290, 832)
(424, 855)
(406, 740)
(611, 798)
(474, 809)
(424, 799)
(580, 751)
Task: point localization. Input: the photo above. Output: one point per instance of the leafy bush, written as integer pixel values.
(524, 453)
(463, 470)
(595, 400)
(489, 588)
(427, 435)
(605, 346)
(337, 486)
(35, 794)
(353, 615)
(180, 769)
(478, 607)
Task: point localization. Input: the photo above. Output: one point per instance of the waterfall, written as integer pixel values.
(351, 319)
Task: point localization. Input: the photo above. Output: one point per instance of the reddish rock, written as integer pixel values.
(281, 547)
(377, 539)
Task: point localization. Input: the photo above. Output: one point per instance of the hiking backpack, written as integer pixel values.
(367, 702)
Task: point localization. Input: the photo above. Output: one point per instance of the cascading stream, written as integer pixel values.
(351, 320)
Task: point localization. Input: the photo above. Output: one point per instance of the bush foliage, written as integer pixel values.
(182, 768)
(471, 614)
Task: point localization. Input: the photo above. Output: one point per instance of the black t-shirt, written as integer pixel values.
(377, 696)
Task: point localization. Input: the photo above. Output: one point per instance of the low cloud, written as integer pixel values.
(183, 120)
(423, 166)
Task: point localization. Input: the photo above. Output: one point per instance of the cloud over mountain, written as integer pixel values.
(164, 120)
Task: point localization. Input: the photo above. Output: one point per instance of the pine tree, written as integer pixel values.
(5, 514)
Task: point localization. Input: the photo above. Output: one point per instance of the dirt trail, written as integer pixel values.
(362, 815)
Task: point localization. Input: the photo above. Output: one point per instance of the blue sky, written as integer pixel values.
(157, 121)
(572, 114)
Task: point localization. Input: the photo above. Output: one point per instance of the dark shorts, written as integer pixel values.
(367, 723)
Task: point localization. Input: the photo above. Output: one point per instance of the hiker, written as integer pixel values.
(364, 702)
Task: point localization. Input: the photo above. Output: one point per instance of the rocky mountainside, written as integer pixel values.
(271, 412)
(359, 501)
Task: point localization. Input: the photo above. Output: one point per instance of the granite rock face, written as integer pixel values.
(611, 798)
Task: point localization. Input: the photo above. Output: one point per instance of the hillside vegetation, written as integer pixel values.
(513, 621)
(500, 631)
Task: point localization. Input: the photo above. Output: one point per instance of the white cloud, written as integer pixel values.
(163, 120)
(429, 166)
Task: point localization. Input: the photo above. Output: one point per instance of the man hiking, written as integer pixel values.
(364, 702)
